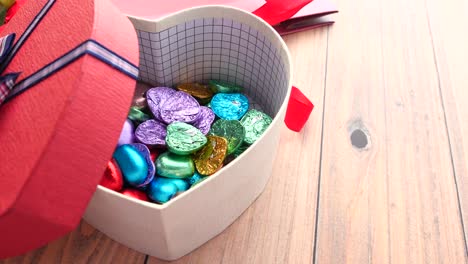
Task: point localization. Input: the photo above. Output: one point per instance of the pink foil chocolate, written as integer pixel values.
(152, 133)
(180, 107)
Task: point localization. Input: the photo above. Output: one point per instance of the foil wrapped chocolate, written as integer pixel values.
(230, 106)
(184, 139)
(127, 133)
(161, 191)
(200, 92)
(182, 185)
(112, 178)
(195, 179)
(240, 150)
(136, 169)
(255, 124)
(171, 165)
(151, 133)
(224, 87)
(135, 194)
(179, 107)
(209, 159)
(137, 115)
(156, 97)
(205, 119)
(232, 130)
(145, 152)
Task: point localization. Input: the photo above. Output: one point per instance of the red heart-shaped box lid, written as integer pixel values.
(57, 137)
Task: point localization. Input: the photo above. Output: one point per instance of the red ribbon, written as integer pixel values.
(277, 11)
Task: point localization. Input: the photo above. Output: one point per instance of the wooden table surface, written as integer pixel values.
(394, 73)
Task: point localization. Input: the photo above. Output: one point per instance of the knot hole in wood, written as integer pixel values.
(359, 135)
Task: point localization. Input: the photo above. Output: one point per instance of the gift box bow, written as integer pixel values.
(8, 49)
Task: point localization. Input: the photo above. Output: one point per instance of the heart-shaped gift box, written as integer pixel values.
(57, 137)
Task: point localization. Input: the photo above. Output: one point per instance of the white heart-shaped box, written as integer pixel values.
(197, 45)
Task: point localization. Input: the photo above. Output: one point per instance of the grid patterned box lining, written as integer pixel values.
(215, 49)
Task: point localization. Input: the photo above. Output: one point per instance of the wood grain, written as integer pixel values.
(84, 245)
(394, 70)
(396, 200)
(449, 21)
(279, 226)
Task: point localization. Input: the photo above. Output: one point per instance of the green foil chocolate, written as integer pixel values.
(170, 165)
(224, 87)
(184, 139)
(255, 123)
(209, 159)
(240, 150)
(137, 116)
(232, 130)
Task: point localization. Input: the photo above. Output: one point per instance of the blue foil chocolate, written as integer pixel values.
(161, 191)
(133, 165)
(145, 152)
(230, 106)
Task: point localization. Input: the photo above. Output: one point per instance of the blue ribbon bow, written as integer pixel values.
(8, 86)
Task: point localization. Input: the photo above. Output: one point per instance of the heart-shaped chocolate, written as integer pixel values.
(232, 130)
(180, 107)
(200, 92)
(230, 106)
(255, 124)
(184, 139)
(171, 165)
(210, 158)
(205, 119)
(152, 133)
(156, 97)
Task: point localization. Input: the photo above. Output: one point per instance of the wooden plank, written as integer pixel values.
(394, 201)
(84, 245)
(449, 21)
(279, 226)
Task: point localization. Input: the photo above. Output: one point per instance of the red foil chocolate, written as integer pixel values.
(136, 194)
(112, 178)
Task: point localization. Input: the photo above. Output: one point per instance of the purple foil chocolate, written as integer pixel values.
(180, 107)
(156, 97)
(151, 132)
(151, 167)
(204, 120)
(126, 136)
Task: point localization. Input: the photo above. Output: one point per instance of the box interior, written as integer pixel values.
(215, 49)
